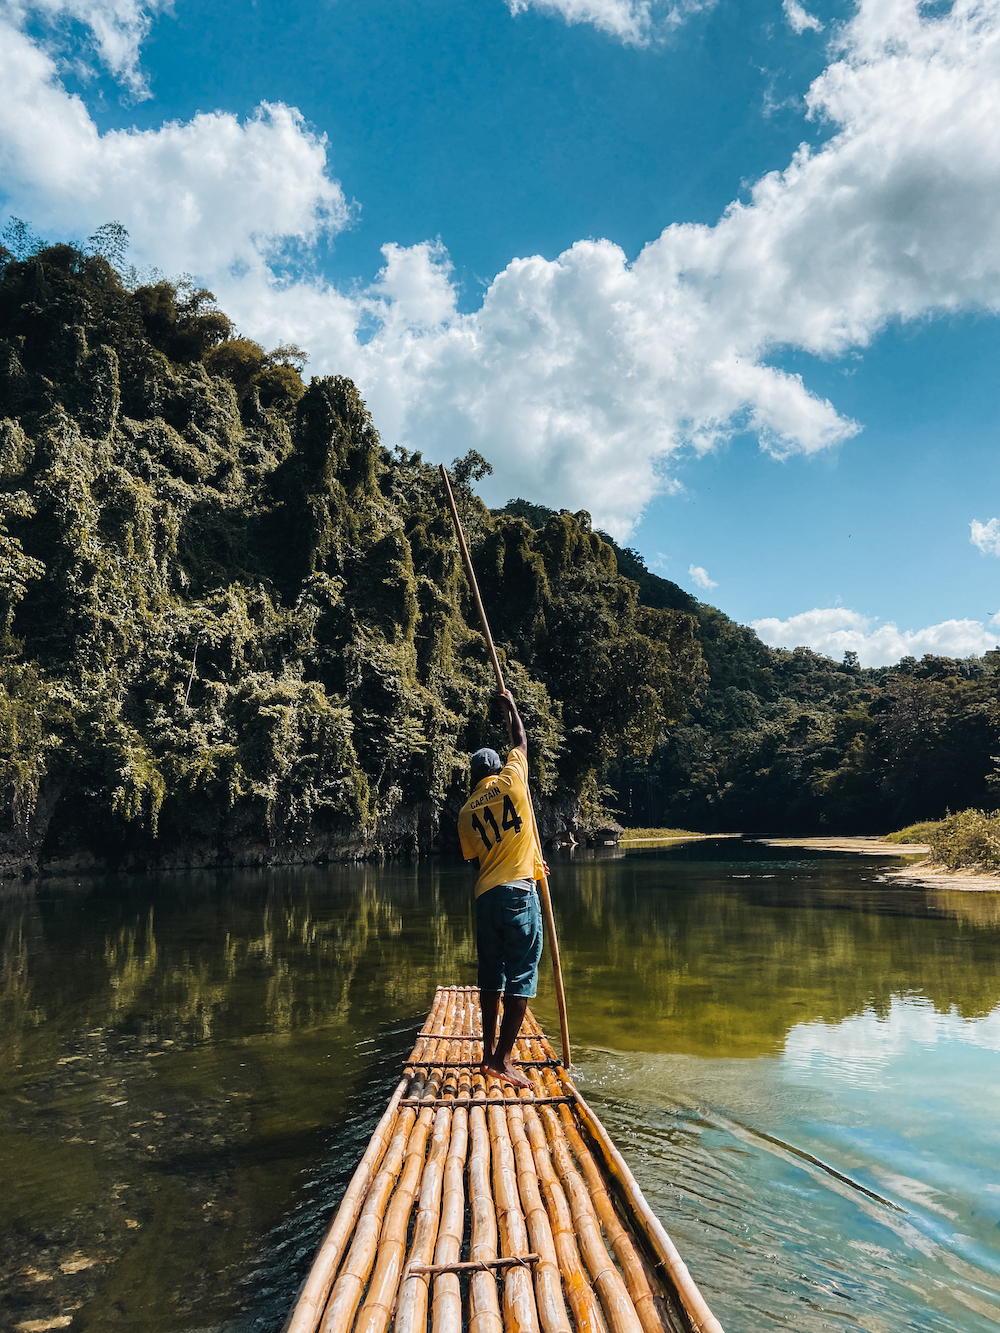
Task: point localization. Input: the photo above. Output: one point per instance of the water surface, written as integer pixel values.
(800, 1060)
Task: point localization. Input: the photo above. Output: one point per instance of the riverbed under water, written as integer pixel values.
(800, 1060)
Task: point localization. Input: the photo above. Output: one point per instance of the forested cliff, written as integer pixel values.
(234, 627)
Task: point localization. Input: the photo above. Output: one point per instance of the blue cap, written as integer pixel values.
(484, 763)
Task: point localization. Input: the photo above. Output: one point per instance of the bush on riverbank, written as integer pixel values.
(970, 839)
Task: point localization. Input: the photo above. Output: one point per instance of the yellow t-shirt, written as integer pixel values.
(496, 825)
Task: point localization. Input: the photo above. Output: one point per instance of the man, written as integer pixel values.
(497, 830)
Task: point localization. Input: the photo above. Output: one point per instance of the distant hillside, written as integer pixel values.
(794, 742)
(234, 627)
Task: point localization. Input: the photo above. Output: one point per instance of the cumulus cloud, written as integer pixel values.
(582, 376)
(986, 536)
(117, 29)
(836, 630)
(634, 22)
(798, 19)
(209, 194)
(700, 577)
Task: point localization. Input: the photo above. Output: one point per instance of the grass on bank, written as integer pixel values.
(968, 840)
(656, 834)
(915, 832)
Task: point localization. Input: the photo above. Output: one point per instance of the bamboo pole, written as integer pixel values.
(376, 1312)
(411, 1310)
(350, 1284)
(546, 897)
(446, 1309)
(520, 1310)
(548, 1287)
(679, 1278)
(485, 1313)
(618, 1308)
(467, 558)
(632, 1266)
(376, 1240)
(583, 1302)
(483, 1267)
(360, 1211)
(309, 1307)
(565, 1100)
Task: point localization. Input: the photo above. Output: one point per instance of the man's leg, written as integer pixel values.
(491, 974)
(522, 939)
(514, 1007)
(489, 1003)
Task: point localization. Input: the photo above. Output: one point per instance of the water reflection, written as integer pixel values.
(728, 956)
(189, 1062)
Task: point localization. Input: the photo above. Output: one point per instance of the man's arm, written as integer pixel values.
(515, 727)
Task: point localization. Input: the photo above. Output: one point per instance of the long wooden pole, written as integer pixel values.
(550, 920)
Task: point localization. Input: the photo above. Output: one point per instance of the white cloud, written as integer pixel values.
(634, 22)
(203, 195)
(117, 29)
(700, 577)
(836, 630)
(986, 536)
(798, 19)
(582, 376)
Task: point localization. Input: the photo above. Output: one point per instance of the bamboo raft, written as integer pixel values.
(462, 1180)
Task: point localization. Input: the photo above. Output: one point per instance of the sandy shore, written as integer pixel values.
(940, 877)
(860, 846)
(918, 872)
(679, 837)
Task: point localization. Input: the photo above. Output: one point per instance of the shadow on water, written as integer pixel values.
(795, 1056)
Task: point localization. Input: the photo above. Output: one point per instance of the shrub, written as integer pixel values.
(970, 838)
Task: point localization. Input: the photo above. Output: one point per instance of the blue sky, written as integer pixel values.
(515, 226)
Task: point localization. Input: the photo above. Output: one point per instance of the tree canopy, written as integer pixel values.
(236, 626)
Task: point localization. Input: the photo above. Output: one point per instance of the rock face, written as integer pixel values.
(234, 628)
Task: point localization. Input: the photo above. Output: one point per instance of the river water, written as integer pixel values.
(800, 1060)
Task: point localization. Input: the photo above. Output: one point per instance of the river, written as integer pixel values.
(800, 1060)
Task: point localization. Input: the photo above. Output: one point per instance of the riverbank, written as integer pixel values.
(967, 879)
(860, 846)
(940, 877)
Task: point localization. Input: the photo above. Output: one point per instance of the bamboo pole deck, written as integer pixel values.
(476, 1209)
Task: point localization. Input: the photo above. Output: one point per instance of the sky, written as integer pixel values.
(725, 275)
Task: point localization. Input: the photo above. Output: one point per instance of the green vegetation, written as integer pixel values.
(970, 839)
(233, 626)
(914, 832)
(793, 742)
(656, 834)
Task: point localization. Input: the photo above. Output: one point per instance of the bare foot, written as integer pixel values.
(508, 1073)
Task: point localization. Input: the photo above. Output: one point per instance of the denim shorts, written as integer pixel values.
(509, 938)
